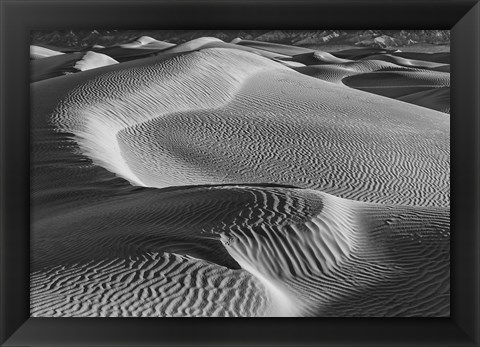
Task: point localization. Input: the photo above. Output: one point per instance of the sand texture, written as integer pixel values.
(239, 179)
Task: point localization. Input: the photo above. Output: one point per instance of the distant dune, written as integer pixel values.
(60, 65)
(37, 52)
(92, 60)
(275, 47)
(147, 42)
(435, 98)
(404, 61)
(240, 179)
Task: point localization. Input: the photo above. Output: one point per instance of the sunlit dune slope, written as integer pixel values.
(38, 52)
(206, 118)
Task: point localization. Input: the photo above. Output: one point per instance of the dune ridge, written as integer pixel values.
(92, 60)
(435, 99)
(97, 134)
(426, 88)
(147, 42)
(232, 101)
(398, 60)
(312, 62)
(300, 251)
(335, 73)
(38, 52)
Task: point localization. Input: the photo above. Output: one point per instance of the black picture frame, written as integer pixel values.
(18, 17)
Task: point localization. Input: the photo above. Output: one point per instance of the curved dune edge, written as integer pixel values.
(217, 90)
(405, 61)
(54, 66)
(307, 253)
(275, 47)
(92, 60)
(147, 42)
(397, 84)
(221, 88)
(435, 99)
(317, 57)
(426, 88)
(221, 44)
(194, 44)
(405, 79)
(335, 73)
(38, 52)
(314, 63)
(441, 58)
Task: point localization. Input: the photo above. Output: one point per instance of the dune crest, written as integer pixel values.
(398, 60)
(93, 60)
(436, 99)
(194, 44)
(38, 52)
(147, 42)
(185, 106)
(313, 248)
(96, 118)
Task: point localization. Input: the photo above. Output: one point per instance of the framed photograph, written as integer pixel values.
(305, 166)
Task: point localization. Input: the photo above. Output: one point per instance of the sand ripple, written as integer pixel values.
(151, 285)
(300, 252)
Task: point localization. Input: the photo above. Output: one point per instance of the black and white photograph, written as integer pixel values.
(239, 173)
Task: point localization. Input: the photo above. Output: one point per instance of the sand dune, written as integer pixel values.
(54, 66)
(318, 57)
(195, 44)
(395, 84)
(443, 58)
(150, 285)
(147, 42)
(142, 47)
(427, 88)
(218, 90)
(92, 60)
(260, 52)
(436, 99)
(442, 68)
(60, 65)
(122, 54)
(405, 62)
(145, 47)
(275, 47)
(237, 109)
(335, 73)
(37, 52)
(209, 179)
(299, 252)
(360, 53)
(289, 63)
(209, 42)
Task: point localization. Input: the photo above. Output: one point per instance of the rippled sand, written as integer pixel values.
(240, 179)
